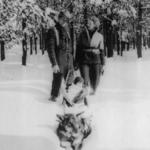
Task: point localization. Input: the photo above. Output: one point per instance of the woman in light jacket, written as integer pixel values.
(89, 49)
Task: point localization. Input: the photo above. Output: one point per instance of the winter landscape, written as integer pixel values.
(120, 109)
(43, 41)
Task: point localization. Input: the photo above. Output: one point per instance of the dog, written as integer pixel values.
(72, 130)
(79, 97)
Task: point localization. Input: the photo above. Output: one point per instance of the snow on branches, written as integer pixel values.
(121, 8)
(7, 14)
(31, 13)
(13, 13)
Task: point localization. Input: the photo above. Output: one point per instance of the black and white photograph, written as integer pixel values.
(74, 75)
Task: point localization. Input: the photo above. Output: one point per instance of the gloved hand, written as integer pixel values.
(75, 64)
(76, 67)
(56, 69)
(102, 69)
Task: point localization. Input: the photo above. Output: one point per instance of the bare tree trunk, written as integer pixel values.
(134, 37)
(139, 31)
(148, 40)
(43, 40)
(2, 50)
(40, 40)
(35, 42)
(31, 45)
(24, 48)
(85, 12)
(24, 44)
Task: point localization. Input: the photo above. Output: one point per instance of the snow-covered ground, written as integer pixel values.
(121, 114)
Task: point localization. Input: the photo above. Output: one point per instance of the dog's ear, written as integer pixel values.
(78, 80)
(60, 117)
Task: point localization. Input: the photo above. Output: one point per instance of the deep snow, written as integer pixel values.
(121, 114)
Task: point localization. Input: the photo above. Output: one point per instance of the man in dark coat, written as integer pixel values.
(60, 53)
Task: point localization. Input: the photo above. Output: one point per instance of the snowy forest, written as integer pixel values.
(25, 21)
(99, 105)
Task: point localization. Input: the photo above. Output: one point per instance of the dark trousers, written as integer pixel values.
(56, 84)
(67, 74)
(90, 74)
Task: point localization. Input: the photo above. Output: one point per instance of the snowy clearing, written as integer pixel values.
(121, 114)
